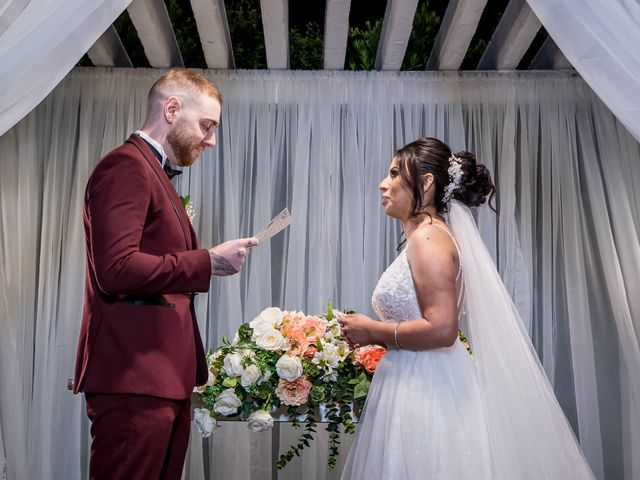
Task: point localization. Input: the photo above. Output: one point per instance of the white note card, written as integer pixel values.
(279, 223)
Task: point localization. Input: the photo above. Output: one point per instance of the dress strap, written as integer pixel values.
(446, 230)
(459, 275)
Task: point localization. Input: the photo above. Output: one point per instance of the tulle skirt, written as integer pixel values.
(423, 419)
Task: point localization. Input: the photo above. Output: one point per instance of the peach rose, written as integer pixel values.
(313, 327)
(294, 393)
(369, 356)
(310, 351)
(297, 340)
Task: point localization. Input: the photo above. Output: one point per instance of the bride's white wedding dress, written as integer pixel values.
(442, 414)
(423, 415)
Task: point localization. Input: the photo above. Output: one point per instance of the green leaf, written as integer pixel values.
(185, 200)
(230, 382)
(361, 389)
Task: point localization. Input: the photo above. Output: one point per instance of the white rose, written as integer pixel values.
(289, 368)
(268, 319)
(272, 315)
(272, 340)
(259, 421)
(204, 422)
(210, 381)
(233, 364)
(227, 403)
(250, 375)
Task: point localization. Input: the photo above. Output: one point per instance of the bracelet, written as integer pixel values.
(395, 336)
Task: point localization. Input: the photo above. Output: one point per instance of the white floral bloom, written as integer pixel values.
(272, 340)
(191, 210)
(330, 376)
(270, 318)
(259, 421)
(204, 422)
(227, 403)
(329, 356)
(289, 368)
(265, 377)
(250, 375)
(210, 381)
(213, 357)
(233, 364)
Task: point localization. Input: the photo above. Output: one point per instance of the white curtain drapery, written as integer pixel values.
(319, 143)
(600, 39)
(40, 42)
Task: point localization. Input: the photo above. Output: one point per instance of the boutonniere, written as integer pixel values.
(187, 203)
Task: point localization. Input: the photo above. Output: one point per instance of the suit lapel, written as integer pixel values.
(187, 230)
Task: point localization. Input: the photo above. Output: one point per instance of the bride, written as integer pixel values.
(433, 411)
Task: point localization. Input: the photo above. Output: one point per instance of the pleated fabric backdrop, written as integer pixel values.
(319, 143)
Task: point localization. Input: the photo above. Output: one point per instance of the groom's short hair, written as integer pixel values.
(182, 81)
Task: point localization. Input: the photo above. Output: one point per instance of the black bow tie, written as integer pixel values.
(170, 171)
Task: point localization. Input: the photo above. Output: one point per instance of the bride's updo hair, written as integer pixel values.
(430, 155)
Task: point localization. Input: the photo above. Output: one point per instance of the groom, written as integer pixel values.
(139, 352)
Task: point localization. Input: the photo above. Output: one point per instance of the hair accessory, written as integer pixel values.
(455, 177)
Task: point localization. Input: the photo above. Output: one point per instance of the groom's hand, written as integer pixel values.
(228, 257)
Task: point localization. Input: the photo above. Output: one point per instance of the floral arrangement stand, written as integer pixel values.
(288, 366)
(280, 417)
(285, 366)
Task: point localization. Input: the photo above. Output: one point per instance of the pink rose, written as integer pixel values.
(294, 393)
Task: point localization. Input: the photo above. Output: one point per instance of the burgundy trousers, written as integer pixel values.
(137, 436)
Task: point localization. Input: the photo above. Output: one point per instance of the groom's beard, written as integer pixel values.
(185, 148)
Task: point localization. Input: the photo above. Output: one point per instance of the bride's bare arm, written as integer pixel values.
(433, 260)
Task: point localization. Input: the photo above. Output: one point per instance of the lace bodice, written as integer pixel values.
(394, 298)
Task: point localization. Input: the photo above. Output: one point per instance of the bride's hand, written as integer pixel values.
(357, 329)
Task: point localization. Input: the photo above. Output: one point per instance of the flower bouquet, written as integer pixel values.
(288, 360)
(292, 361)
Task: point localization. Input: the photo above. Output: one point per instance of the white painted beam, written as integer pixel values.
(549, 57)
(513, 36)
(396, 30)
(108, 51)
(457, 29)
(213, 28)
(152, 22)
(275, 22)
(336, 33)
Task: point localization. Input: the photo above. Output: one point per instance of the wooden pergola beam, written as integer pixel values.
(396, 31)
(336, 32)
(108, 51)
(512, 38)
(213, 29)
(458, 26)
(151, 20)
(275, 22)
(549, 57)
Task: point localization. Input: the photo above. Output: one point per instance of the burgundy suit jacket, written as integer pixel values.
(139, 333)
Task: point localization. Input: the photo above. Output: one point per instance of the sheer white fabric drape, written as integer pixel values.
(40, 42)
(600, 39)
(320, 142)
